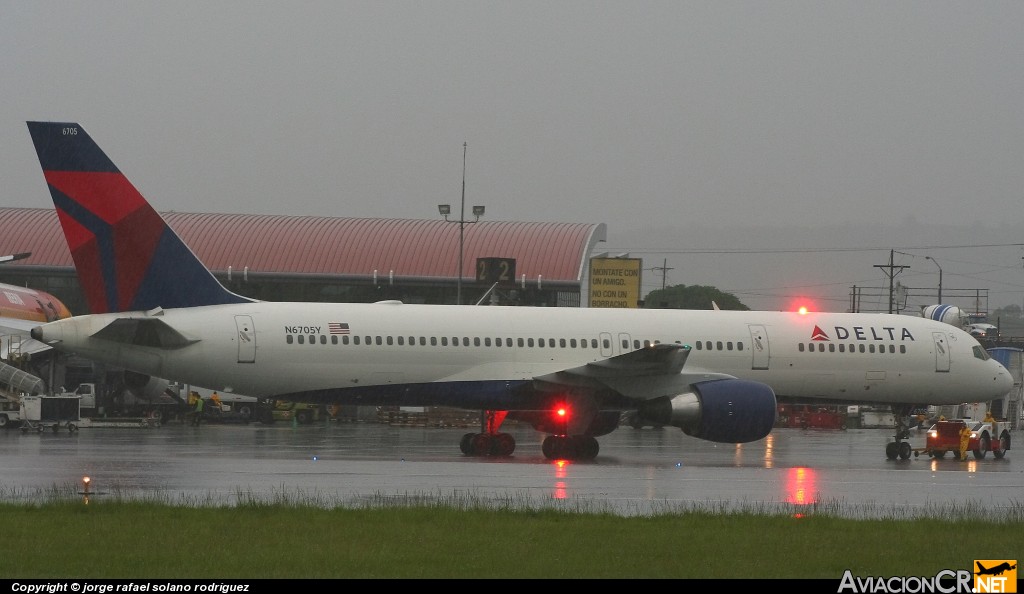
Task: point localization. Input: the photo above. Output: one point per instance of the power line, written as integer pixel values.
(664, 268)
(810, 250)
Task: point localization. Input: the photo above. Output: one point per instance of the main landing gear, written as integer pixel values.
(570, 447)
(900, 448)
(489, 442)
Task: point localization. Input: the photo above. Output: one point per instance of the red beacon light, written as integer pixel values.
(802, 306)
(559, 419)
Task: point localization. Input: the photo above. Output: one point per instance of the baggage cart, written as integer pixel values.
(50, 412)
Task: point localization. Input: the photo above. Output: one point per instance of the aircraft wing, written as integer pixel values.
(16, 332)
(639, 375)
(713, 406)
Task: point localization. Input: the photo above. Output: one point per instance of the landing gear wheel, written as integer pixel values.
(587, 447)
(466, 444)
(564, 447)
(481, 444)
(553, 447)
(899, 448)
(503, 445)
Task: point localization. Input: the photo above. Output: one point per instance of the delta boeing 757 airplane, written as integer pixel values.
(569, 372)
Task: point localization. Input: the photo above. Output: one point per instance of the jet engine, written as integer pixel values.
(725, 411)
(142, 386)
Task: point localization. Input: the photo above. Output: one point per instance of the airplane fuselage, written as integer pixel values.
(21, 303)
(390, 353)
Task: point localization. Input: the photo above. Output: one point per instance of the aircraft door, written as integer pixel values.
(606, 344)
(941, 351)
(246, 339)
(759, 347)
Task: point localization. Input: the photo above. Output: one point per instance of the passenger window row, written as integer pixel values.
(853, 348)
(487, 341)
(699, 345)
(466, 341)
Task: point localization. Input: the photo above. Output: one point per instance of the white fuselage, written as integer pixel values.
(273, 348)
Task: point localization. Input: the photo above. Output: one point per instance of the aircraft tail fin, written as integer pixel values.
(126, 256)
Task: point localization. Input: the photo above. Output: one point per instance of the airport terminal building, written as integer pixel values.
(345, 260)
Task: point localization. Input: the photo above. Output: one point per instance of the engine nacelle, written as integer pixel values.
(725, 411)
(144, 387)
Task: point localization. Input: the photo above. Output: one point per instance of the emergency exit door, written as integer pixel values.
(246, 339)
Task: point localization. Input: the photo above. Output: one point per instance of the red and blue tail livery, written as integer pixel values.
(126, 256)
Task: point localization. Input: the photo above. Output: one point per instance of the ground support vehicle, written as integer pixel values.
(52, 412)
(223, 414)
(273, 410)
(10, 411)
(809, 417)
(982, 437)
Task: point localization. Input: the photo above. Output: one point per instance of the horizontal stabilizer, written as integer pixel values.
(148, 332)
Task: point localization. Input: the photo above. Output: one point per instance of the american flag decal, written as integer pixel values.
(337, 328)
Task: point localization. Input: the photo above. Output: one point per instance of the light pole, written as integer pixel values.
(940, 276)
(446, 209)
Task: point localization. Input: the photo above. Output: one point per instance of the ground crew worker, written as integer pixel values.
(992, 422)
(197, 415)
(965, 440)
(215, 399)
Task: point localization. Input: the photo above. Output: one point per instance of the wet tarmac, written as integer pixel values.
(638, 471)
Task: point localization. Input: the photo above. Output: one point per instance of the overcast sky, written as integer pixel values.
(807, 139)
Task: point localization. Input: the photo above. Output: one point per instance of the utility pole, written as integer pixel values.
(940, 276)
(462, 224)
(891, 273)
(446, 209)
(664, 271)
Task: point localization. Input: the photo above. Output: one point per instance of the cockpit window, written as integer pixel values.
(981, 353)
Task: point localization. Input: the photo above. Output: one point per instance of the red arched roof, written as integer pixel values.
(285, 244)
